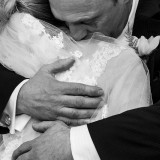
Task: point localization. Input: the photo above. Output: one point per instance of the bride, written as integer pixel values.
(27, 43)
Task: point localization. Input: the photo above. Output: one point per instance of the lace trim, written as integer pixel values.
(95, 66)
(38, 29)
(105, 53)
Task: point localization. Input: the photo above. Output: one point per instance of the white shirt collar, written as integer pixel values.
(131, 19)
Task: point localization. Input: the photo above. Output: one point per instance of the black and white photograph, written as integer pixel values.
(79, 79)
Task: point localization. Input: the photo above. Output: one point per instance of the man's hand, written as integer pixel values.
(46, 99)
(54, 143)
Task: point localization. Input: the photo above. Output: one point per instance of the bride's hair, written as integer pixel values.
(37, 8)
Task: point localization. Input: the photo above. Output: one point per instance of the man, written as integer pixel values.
(131, 135)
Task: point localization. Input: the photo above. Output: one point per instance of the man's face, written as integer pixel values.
(84, 17)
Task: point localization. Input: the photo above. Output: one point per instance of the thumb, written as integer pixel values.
(42, 126)
(60, 65)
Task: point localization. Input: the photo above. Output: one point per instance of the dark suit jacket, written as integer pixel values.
(8, 82)
(133, 135)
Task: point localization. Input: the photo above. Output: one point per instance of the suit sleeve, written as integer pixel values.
(8, 82)
(133, 135)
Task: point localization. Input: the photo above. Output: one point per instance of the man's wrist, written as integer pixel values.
(11, 106)
(21, 101)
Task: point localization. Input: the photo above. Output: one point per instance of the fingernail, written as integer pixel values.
(100, 92)
(101, 104)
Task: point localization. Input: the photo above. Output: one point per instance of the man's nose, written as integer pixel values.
(77, 32)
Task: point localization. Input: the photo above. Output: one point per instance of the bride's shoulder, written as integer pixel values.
(126, 57)
(118, 52)
(130, 55)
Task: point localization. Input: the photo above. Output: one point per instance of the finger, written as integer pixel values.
(81, 102)
(74, 122)
(73, 113)
(81, 89)
(42, 126)
(60, 65)
(24, 148)
(25, 156)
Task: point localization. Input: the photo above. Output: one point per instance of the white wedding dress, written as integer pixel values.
(26, 44)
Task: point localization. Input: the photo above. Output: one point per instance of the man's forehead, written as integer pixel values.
(72, 10)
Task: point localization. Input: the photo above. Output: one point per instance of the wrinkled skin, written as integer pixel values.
(46, 99)
(84, 17)
(53, 144)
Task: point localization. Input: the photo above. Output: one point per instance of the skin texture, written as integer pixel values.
(85, 17)
(46, 99)
(57, 133)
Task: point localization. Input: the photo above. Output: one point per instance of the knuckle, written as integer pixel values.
(84, 122)
(68, 122)
(83, 88)
(88, 114)
(80, 102)
(57, 124)
(79, 88)
(61, 121)
(74, 114)
(76, 122)
(79, 122)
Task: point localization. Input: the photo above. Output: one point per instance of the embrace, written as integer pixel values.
(77, 81)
